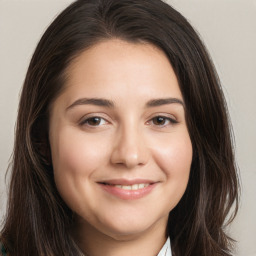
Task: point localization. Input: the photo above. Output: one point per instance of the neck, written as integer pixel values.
(92, 242)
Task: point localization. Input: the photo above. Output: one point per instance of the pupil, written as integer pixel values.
(94, 121)
(159, 120)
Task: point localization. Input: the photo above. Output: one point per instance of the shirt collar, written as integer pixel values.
(166, 249)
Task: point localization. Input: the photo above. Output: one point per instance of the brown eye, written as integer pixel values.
(163, 121)
(94, 121)
(160, 120)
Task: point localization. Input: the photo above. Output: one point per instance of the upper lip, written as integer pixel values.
(127, 181)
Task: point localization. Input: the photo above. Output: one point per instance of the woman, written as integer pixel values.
(123, 144)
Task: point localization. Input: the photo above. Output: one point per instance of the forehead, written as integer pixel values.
(114, 67)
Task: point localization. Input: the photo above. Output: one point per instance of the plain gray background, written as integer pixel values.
(228, 28)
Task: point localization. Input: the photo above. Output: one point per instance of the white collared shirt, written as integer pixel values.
(166, 249)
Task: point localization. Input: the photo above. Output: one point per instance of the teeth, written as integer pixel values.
(127, 187)
(142, 185)
(132, 187)
(135, 186)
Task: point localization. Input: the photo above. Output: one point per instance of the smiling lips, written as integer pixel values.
(127, 189)
(131, 187)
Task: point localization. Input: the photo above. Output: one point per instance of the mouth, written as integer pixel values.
(128, 189)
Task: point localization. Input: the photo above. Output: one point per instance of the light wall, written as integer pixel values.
(228, 27)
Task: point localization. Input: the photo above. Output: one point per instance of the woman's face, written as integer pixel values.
(121, 151)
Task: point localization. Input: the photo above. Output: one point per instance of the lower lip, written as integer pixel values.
(128, 194)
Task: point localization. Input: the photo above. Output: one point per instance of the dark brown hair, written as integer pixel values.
(37, 220)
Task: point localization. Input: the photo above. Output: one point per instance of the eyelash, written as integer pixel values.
(164, 118)
(87, 120)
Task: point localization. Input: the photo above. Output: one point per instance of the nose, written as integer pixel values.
(130, 149)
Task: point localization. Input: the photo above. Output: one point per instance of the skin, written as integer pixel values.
(127, 141)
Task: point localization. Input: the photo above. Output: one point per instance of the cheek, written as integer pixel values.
(77, 154)
(75, 157)
(174, 157)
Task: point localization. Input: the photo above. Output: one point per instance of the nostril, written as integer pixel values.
(129, 153)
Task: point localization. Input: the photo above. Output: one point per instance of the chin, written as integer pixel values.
(127, 228)
(125, 234)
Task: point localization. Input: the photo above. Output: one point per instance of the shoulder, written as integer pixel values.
(3, 252)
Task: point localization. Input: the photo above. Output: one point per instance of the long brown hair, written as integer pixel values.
(37, 220)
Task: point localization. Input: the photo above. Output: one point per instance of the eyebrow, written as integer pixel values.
(92, 101)
(165, 101)
(110, 104)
